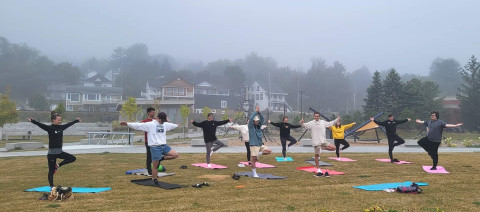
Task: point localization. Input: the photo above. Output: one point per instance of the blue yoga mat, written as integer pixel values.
(74, 189)
(280, 159)
(381, 187)
(135, 171)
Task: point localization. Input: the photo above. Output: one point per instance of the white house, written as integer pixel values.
(269, 96)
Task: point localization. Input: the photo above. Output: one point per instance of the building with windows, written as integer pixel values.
(269, 96)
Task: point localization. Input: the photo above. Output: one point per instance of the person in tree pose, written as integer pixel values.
(255, 135)
(285, 134)
(338, 132)
(391, 127)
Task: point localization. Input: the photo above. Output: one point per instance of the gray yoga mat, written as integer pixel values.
(320, 163)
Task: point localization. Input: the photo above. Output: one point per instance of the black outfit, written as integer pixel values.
(391, 128)
(247, 145)
(285, 135)
(209, 135)
(55, 143)
(431, 148)
(337, 145)
(149, 159)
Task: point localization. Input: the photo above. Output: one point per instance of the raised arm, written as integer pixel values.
(220, 123)
(349, 125)
(294, 126)
(196, 124)
(377, 122)
(274, 124)
(419, 121)
(43, 126)
(67, 125)
(403, 121)
(331, 123)
(453, 125)
(139, 126)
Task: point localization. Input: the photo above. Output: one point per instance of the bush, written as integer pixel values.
(449, 142)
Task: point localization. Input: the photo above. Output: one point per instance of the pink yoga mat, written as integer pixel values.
(440, 170)
(388, 161)
(341, 159)
(259, 165)
(214, 166)
(314, 170)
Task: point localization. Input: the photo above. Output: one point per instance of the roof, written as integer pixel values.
(89, 89)
(214, 101)
(97, 78)
(204, 84)
(274, 87)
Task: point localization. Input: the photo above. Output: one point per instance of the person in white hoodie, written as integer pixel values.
(319, 140)
(157, 140)
(244, 131)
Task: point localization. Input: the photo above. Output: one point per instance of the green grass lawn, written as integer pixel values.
(300, 191)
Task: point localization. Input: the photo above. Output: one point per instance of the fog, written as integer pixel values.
(405, 35)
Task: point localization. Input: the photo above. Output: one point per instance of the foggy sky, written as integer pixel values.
(379, 34)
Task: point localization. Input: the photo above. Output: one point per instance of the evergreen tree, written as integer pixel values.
(470, 94)
(374, 100)
(393, 87)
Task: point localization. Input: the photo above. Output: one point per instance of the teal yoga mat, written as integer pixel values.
(74, 189)
(281, 159)
(381, 187)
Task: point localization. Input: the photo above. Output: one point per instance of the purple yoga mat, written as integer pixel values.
(440, 170)
(214, 166)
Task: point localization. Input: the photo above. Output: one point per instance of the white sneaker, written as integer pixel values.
(211, 152)
(284, 159)
(255, 175)
(209, 165)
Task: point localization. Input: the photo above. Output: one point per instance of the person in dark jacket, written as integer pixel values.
(209, 127)
(285, 134)
(55, 143)
(391, 127)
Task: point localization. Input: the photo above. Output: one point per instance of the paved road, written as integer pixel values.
(89, 149)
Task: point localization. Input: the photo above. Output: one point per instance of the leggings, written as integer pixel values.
(52, 162)
(337, 145)
(431, 148)
(284, 144)
(148, 162)
(392, 144)
(247, 145)
(209, 146)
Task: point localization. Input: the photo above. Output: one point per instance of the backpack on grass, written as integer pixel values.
(412, 189)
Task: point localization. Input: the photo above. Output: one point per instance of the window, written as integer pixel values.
(91, 108)
(261, 96)
(199, 111)
(223, 104)
(223, 112)
(73, 97)
(168, 91)
(258, 87)
(175, 91)
(256, 96)
(69, 108)
(214, 111)
(181, 91)
(91, 96)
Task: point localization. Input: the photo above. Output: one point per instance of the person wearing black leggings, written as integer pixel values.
(55, 143)
(391, 127)
(338, 132)
(432, 141)
(285, 134)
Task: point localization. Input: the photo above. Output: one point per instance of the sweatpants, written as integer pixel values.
(209, 146)
(247, 145)
(337, 145)
(284, 140)
(392, 144)
(431, 148)
(148, 162)
(52, 162)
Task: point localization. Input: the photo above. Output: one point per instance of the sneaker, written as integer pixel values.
(395, 160)
(55, 169)
(156, 183)
(327, 174)
(318, 174)
(433, 168)
(205, 184)
(211, 152)
(255, 175)
(198, 185)
(209, 165)
(250, 163)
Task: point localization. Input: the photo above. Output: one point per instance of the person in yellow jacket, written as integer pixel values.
(338, 133)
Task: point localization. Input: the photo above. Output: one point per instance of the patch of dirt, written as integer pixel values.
(214, 177)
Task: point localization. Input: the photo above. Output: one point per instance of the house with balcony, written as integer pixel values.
(206, 88)
(269, 96)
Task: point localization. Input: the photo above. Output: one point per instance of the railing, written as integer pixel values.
(104, 137)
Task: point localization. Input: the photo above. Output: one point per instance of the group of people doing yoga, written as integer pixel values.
(155, 129)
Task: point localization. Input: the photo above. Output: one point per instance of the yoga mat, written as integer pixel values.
(135, 171)
(259, 165)
(74, 189)
(214, 166)
(164, 185)
(281, 159)
(388, 161)
(440, 170)
(381, 187)
(342, 159)
(314, 170)
(262, 176)
(320, 163)
(160, 174)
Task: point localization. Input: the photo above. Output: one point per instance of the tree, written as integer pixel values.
(37, 102)
(130, 110)
(445, 72)
(235, 77)
(470, 94)
(206, 110)
(393, 88)
(60, 109)
(374, 100)
(412, 99)
(185, 112)
(8, 109)
(225, 115)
